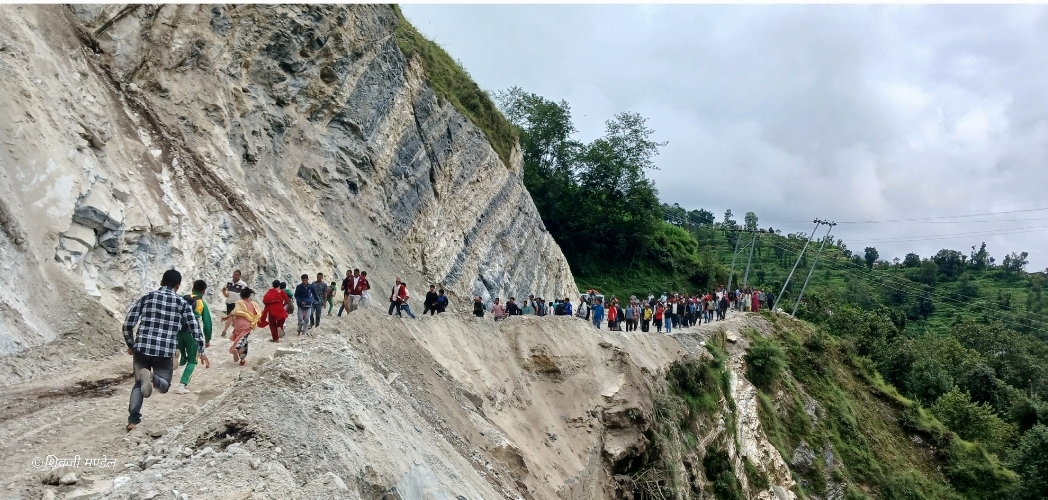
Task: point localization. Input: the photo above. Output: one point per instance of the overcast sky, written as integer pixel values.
(848, 113)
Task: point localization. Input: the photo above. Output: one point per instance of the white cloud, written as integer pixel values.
(795, 112)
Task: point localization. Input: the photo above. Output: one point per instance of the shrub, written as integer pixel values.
(973, 421)
(765, 361)
(1031, 461)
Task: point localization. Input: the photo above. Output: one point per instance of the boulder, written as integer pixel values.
(80, 233)
(98, 210)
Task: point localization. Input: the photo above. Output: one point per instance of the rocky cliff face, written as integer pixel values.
(279, 140)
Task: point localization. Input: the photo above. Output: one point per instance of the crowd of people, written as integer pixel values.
(670, 310)
(177, 329)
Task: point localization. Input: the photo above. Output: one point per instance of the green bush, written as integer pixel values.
(1031, 462)
(765, 361)
(720, 473)
(973, 421)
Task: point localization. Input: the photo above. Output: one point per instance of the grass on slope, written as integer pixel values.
(885, 445)
(451, 82)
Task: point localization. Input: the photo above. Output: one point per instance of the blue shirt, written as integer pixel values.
(598, 311)
(305, 295)
(567, 308)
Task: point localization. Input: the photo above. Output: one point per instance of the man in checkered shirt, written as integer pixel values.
(160, 315)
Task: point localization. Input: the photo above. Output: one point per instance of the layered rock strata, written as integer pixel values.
(279, 140)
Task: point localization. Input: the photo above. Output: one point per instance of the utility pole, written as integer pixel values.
(817, 254)
(731, 274)
(795, 264)
(746, 276)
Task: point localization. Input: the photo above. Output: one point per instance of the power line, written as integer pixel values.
(935, 219)
(917, 289)
(944, 217)
(946, 236)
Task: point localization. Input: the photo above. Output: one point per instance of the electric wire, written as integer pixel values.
(917, 289)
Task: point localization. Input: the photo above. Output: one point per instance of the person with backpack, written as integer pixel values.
(275, 303)
(187, 346)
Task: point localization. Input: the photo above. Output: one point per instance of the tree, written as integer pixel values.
(911, 260)
(701, 217)
(750, 221)
(1031, 462)
(950, 262)
(928, 273)
(980, 259)
(728, 222)
(1016, 262)
(871, 256)
(973, 421)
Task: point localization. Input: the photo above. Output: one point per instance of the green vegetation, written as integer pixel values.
(950, 350)
(764, 363)
(452, 83)
(868, 425)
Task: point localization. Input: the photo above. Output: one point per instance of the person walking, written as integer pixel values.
(598, 313)
(442, 301)
(320, 290)
(398, 299)
(430, 304)
(478, 306)
(159, 316)
(306, 297)
(245, 316)
(232, 293)
(722, 312)
(274, 304)
(497, 310)
(188, 353)
(346, 287)
(363, 291)
(512, 309)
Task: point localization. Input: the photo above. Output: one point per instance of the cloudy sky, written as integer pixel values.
(848, 113)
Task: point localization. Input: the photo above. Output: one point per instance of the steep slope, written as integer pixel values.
(279, 140)
(459, 407)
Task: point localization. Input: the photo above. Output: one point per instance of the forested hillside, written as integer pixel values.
(962, 333)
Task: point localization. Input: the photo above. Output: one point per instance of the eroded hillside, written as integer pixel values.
(274, 139)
